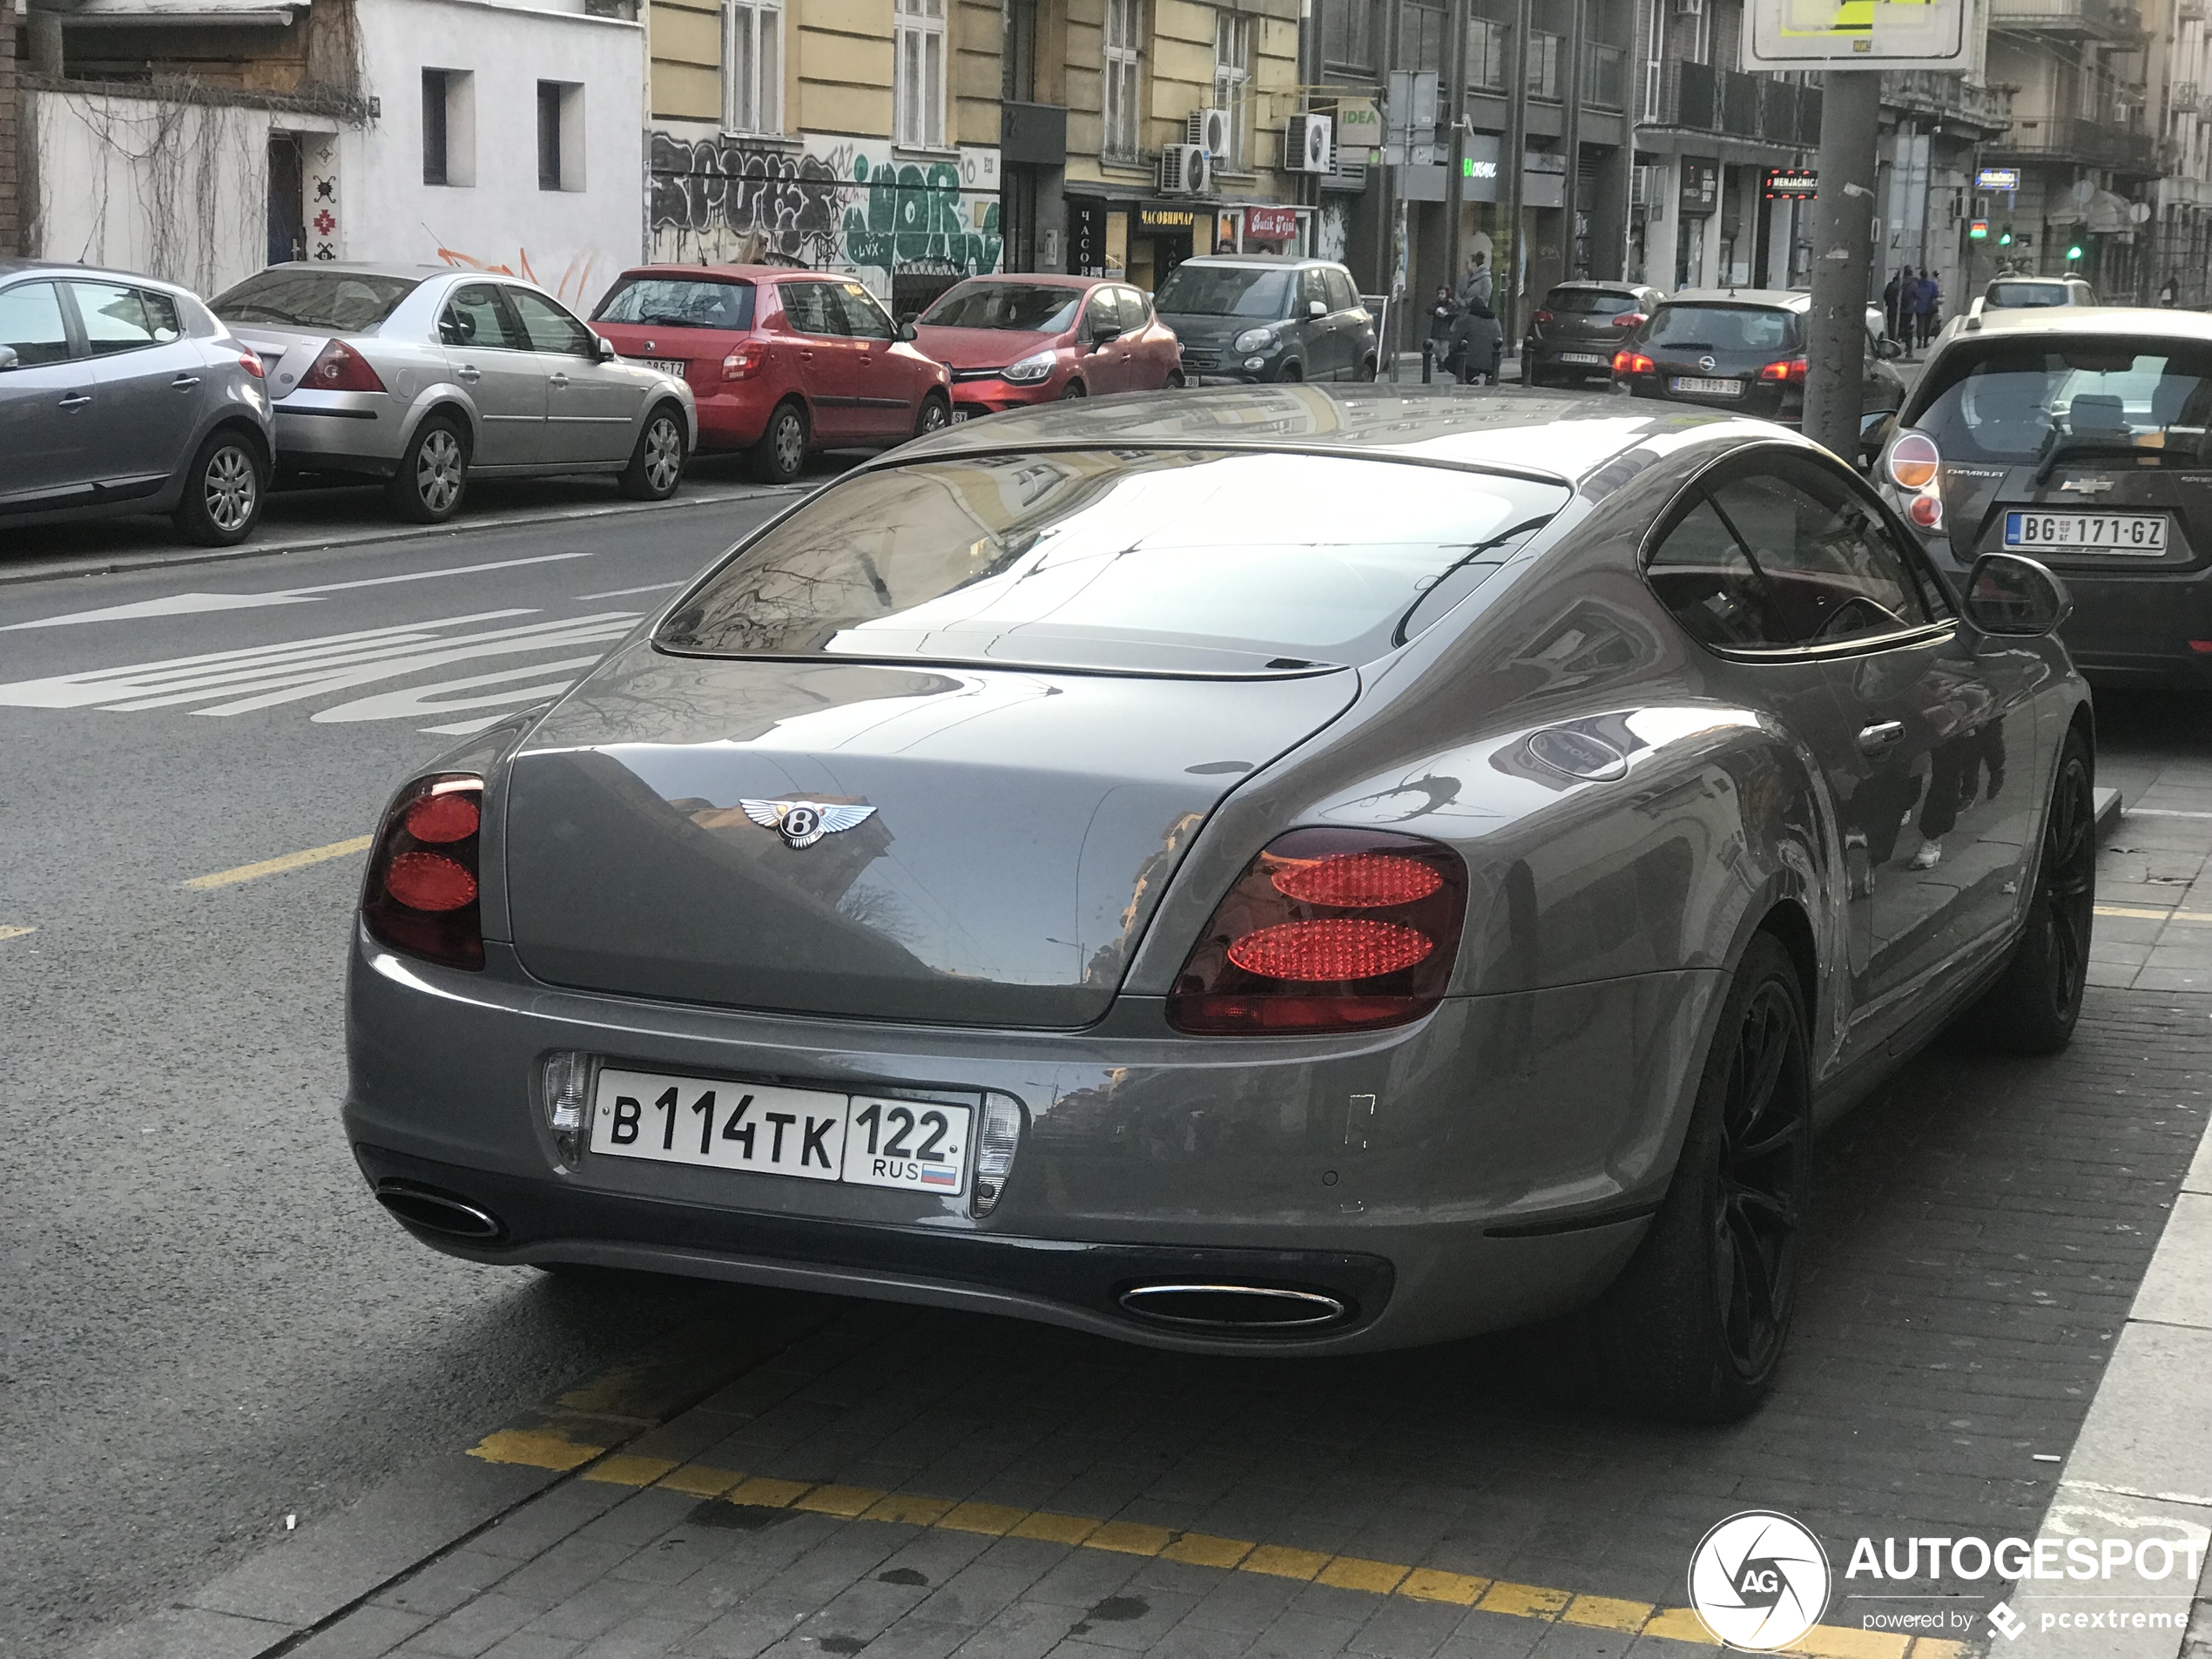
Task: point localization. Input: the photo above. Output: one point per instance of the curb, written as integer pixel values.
(2105, 804)
(285, 1593)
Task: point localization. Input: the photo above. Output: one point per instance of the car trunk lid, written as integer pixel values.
(1022, 826)
(1996, 509)
(286, 354)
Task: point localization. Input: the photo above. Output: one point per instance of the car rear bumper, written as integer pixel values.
(347, 431)
(1547, 354)
(731, 418)
(1490, 1166)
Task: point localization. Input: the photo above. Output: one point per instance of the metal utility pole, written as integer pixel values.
(1455, 151)
(1571, 138)
(1505, 286)
(1850, 115)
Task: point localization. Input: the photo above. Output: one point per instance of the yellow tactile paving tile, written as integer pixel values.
(552, 1450)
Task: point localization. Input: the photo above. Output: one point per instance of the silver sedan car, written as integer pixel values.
(426, 376)
(1274, 870)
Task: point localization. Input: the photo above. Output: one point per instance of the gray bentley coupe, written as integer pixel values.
(1274, 869)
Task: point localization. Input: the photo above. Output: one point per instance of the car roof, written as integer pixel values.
(739, 272)
(374, 268)
(1259, 261)
(19, 267)
(2088, 319)
(1557, 435)
(1773, 299)
(1042, 279)
(1597, 282)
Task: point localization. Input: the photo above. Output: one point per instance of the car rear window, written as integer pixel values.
(1135, 562)
(677, 302)
(1589, 302)
(2017, 401)
(2014, 295)
(1026, 307)
(344, 300)
(1223, 291)
(1724, 327)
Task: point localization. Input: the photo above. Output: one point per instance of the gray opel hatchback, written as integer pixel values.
(1262, 870)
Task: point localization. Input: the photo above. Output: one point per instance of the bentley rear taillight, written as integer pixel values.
(421, 895)
(1327, 930)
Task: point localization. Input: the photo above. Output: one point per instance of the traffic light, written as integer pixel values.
(2073, 247)
(1977, 230)
(2004, 237)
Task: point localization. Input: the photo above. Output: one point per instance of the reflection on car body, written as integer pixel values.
(1445, 900)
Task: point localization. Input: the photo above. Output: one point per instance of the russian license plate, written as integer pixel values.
(1592, 357)
(1704, 388)
(861, 1140)
(671, 366)
(2142, 535)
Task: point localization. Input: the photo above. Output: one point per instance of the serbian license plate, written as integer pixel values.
(962, 414)
(2142, 535)
(1705, 387)
(671, 366)
(862, 1140)
(1592, 357)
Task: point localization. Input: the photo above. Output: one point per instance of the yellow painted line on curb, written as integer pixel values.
(279, 866)
(554, 1450)
(7, 932)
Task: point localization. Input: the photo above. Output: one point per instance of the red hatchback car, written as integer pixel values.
(782, 362)
(1011, 340)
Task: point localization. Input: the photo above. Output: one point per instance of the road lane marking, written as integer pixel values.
(2160, 812)
(278, 866)
(7, 932)
(623, 593)
(560, 1451)
(2141, 913)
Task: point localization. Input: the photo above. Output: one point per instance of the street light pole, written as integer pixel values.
(1505, 285)
(1850, 114)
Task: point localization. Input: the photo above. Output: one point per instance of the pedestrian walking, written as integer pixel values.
(2169, 292)
(1441, 316)
(1894, 306)
(1928, 306)
(1478, 284)
(1477, 343)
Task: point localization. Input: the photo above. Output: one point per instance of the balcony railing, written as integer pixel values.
(2181, 96)
(1952, 96)
(1706, 100)
(1605, 77)
(2090, 143)
(2084, 19)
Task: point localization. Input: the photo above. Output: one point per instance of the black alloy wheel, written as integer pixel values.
(2032, 1008)
(1765, 1135)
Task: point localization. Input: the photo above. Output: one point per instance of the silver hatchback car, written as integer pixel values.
(426, 376)
(120, 394)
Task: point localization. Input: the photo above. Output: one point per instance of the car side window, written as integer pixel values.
(1342, 295)
(863, 318)
(1824, 556)
(115, 318)
(1310, 288)
(475, 317)
(548, 327)
(1135, 313)
(807, 308)
(1102, 315)
(31, 321)
(1701, 572)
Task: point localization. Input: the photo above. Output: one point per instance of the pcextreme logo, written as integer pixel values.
(1759, 1581)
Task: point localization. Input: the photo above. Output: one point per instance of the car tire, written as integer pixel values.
(781, 456)
(1074, 389)
(1367, 374)
(433, 474)
(1174, 382)
(2032, 1007)
(656, 468)
(1291, 374)
(1685, 1332)
(224, 490)
(934, 416)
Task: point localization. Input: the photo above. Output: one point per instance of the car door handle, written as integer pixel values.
(1880, 738)
(806, 356)
(183, 383)
(557, 380)
(471, 373)
(77, 399)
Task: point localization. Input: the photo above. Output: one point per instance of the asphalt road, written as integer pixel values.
(205, 1325)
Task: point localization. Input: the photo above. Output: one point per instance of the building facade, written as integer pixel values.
(2179, 233)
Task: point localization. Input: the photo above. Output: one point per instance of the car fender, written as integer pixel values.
(434, 395)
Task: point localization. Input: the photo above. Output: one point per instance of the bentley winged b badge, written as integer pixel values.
(802, 823)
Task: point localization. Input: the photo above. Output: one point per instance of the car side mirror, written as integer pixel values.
(9, 359)
(2015, 598)
(1316, 308)
(1105, 335)
(1889, 348)
(605, 348)
(907, 329)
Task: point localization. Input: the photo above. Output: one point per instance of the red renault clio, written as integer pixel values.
(1011, 340)
(782, 362)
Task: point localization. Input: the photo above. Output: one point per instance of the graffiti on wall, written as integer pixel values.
(573, 284)
(836, 204)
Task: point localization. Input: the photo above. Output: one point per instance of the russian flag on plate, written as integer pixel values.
(930, 1178)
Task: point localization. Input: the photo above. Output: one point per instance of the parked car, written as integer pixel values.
(1744, 349)
(1246, 874)
(1264, 317)
(119, 394)
(784, 362)
(1573, 334)
(2083, 438)
(1013, 340)
(2016, 292)
(427, 377)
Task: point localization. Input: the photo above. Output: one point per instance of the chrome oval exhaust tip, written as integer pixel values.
(435, 1212)
(1253, 1308)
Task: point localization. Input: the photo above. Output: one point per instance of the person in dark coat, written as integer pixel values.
(1441, 316)
(1892, 304)
(1476, 344)
(1927, 301)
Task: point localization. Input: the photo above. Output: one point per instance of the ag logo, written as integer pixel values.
(1759, 1581)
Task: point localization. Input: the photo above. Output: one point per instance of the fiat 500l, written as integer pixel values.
(1258, 870)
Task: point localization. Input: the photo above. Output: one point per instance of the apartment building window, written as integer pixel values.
(1348, 33)
(917, 78)
(1122, 44)
(449, 127)
(752, 66)
(1420, 37)
(560, 135)
(1232, 80)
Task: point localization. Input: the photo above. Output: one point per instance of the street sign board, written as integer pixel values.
(1998, 179)
(1857, 34)
(1784, 184)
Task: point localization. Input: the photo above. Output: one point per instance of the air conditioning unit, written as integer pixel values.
(1309, 144)
(1185, 170)
(1208, 130)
